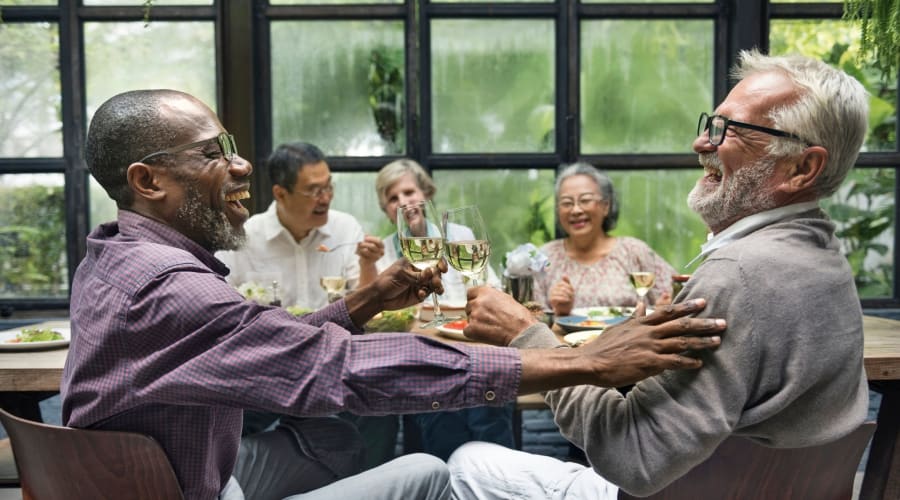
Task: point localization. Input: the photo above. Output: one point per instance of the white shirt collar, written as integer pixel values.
(274, 228)
(748, 225)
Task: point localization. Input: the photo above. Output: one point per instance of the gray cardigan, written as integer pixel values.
(789, 372)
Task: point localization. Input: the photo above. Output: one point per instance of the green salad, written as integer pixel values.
(37, 335)
(392, 321)
(609, 311)
(298, 310)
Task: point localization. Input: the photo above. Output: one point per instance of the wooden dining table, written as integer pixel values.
(37, 373)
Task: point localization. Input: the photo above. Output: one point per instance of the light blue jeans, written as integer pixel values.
(486, 471)
(418, 476)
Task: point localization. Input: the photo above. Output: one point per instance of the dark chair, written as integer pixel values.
(73, 464)
(741, 469)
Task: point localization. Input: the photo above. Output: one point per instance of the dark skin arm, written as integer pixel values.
(626, 353)
(399, 286)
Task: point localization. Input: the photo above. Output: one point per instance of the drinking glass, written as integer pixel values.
(642, 281)
(333, 286)
(422, 243)
(468, 247)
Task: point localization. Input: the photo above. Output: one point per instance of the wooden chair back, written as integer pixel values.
(73, 464)
(741, 469)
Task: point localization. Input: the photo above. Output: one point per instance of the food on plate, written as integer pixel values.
(36, 335)
(609, 311)
(392, 321)
(592, 323)
(298, 310)
(459, 324)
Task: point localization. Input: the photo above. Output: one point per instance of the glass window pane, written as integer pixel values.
(33, 236)
(130, 56)
(653, 207)
(342, 93)
(649, 1)
(635, 98)
(103, 208)
(863, 210)
(492, 86)
(27, 2)
(354, 193)
(837, 43)
(517, 205)
(156, 3)
(329, 2)
(30, 110)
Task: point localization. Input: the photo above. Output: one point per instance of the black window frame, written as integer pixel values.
(243, 87)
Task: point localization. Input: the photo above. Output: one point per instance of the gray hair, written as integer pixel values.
(604, 184)
(393, 171)
(832, 111)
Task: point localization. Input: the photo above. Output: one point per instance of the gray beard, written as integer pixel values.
(211, 226)
(743, 194)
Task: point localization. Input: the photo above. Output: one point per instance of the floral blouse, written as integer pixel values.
(605, 282)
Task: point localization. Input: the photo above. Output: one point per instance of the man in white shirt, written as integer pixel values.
(285, 243)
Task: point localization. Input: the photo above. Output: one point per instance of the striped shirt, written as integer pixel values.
(162, 345)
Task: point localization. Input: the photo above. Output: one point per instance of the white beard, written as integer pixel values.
(743, 193)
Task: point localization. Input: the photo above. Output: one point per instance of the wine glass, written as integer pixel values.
(333, 286)
(468, 247)
(422, 243)
(642, 281)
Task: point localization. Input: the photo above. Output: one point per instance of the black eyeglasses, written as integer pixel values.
(718, 125)
(225, 141)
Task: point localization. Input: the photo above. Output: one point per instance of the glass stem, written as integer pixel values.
(438, 315)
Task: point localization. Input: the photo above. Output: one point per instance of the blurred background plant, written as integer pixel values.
(879, 22)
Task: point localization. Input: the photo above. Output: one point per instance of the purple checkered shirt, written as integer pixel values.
(162, 345)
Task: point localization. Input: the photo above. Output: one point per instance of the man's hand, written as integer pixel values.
(399, 286)
(494, 316)
(626, 353)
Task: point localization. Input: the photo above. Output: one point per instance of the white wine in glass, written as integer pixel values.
(422, 243)
(642, 281)
(468, 247)
(333, 286)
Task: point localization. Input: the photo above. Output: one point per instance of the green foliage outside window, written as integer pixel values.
(32, 242)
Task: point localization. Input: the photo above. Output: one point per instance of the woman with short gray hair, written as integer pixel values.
(590, 267)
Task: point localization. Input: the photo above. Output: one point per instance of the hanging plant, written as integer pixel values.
(148, 4)
(879, 31)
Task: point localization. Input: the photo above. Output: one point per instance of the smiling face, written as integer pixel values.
(584, 219)
(740, 179)
(403, 192)
(203, 202)
(299, 210)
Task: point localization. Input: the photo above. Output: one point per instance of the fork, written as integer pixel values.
(326, 249)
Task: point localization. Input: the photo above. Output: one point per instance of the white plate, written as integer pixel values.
(452, 332)
(7, 335)
(577, 338)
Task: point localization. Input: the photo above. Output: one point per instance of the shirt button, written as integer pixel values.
(435, 405)
(490, 396)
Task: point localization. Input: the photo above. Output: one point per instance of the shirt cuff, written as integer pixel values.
(536, 336)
